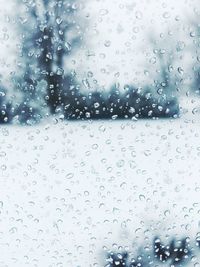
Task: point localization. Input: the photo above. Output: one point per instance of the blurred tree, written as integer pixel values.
(48, 33)
(5, 106)
(194, 33)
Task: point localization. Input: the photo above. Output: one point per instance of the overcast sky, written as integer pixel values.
(120, 33)
(117, 38)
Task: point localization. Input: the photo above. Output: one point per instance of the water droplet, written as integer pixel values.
(107, 43)
(138, 15)
(166, 15)
(103, 12)
(69, 176)
(59, 20)
(60, 71)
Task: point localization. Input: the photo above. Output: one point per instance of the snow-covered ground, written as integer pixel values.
(70, 191)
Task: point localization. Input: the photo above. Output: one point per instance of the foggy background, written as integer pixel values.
(116, 39)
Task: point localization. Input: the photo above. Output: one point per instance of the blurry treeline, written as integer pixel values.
(174, 253)
(49, 31)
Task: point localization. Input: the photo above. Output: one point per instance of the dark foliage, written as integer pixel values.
(5, 107)
(5, 113)
(117, 260)
(176, 253)
(130, 104)
(198, 240)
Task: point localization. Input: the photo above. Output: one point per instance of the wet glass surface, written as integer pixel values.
(99, 133)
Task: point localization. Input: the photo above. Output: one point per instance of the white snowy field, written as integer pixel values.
(70, 191)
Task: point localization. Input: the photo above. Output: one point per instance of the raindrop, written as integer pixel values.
(69, 176)
(60, 71)
(103, 12)
(59, 20)
(180, 70)
(138, 15)
(107, 43)
(166, 15)
(68, 46)
(142, 197)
